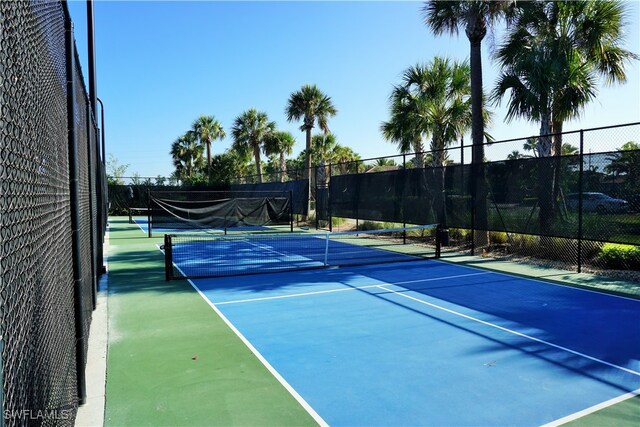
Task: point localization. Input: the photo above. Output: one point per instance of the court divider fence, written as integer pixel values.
(53, 211)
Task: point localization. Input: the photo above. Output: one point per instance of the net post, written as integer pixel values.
(168, 258)
(326, 250)
(438, 240)
(130, 216)
(291, 209)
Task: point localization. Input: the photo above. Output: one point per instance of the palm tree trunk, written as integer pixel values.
(478, 180)
(283, 167)
(256, 153)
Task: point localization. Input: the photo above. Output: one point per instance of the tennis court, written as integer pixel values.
(428, 342)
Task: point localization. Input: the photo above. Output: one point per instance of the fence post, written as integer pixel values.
(328, 195)
(580, 195)
(75, 212)
(168, 258)
(91, 168)
(290, 210)
(404, 177)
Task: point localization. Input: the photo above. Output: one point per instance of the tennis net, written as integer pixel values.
(200, 256)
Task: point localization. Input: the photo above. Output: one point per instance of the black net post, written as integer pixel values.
(580, 197)
(439, 232)
(75, 212)
(168, 258)
(290, 211)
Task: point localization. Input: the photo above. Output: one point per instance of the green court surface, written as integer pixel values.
(173, 361)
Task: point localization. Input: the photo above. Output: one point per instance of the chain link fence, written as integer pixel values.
(46, 291)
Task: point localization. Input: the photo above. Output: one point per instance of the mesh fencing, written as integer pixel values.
(574, 207)
(41, 375)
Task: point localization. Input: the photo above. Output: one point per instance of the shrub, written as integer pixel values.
(618, 256)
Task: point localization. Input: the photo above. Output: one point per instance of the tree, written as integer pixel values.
(346, 159)
(322, 154)
(187, 156)
(228, 167)
(433, 102)
(474, 16)
(627, 162)
(405, 127)
(250, 129)
(310, 105)
(553, 55)
(207, 129)
(280, 144)
(514, 155)
(115, 171)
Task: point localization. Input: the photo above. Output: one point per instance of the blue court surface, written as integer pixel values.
(433, 343)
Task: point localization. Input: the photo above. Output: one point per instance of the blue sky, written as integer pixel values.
(162, 64)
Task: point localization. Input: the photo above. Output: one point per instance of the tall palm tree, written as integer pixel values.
(281, 144)
(207, 129)
(310, 105)
(407, 123)
(187, 156)
(474, 16)
(249, 131)
(552, 58)
(435, 104)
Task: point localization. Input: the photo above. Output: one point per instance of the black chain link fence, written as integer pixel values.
(579, 209)
(42, 377)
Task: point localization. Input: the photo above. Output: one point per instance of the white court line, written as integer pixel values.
(511, 331)
(261, 358)
(354, 288)
(592, 409)
(533, 279)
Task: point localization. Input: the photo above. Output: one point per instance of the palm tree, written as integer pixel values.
(187, 156)
(322, 153)
(207, 129)
(514, 155)
(346, 159)
(280, 144)
(385, 162)
(406, 125)
(434, 103)
(552, 58)
(249, 131)
(310, 105)
(474, 16)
